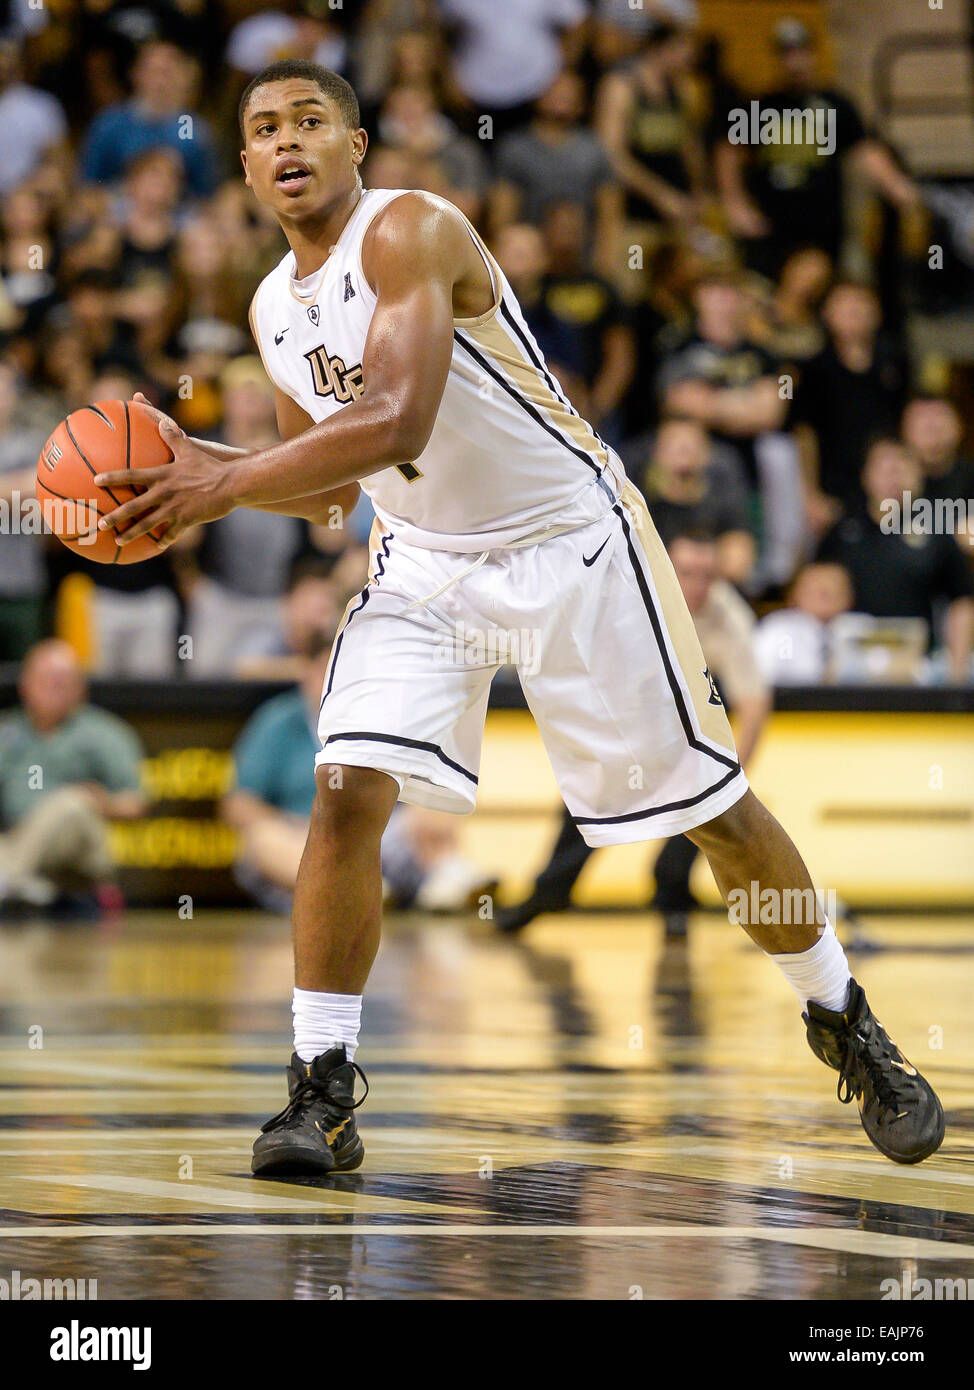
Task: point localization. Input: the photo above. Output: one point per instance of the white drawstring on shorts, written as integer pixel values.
(461, 574)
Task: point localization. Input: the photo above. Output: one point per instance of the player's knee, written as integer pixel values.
(733, 828)
(349, 801)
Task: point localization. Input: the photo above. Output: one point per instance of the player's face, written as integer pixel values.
(300, 155)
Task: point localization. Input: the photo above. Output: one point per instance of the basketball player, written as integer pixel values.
(402, 361)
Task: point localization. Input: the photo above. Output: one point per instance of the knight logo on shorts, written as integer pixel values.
(714, 696)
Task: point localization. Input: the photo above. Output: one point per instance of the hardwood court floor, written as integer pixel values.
(582, 1114)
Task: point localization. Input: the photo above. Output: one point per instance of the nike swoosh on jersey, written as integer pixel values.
(279, 337)
(591, 559)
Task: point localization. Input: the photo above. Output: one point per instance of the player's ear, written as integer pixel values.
(243, 160)
(360, 141)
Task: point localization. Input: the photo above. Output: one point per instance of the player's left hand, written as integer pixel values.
(193, 488)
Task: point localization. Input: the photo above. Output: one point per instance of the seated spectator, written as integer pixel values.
(933, 429)
(270, 807)
(688, 491)
(848, 394)
(237, 568)
(554, 157)
(90, 325)
(33, 122)
(307, 615)
(794, 309)
(158, 114)
(66, 768)
(28, 259)
(410, 121)
(793, 644)
(22, 577)
(898, 572)
(719, 376)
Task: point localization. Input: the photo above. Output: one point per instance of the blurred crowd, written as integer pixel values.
(729, 316)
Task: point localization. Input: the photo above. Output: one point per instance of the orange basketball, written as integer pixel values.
(97, 439)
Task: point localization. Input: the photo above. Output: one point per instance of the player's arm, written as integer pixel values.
(414, 255)
(291, 420)
(317, 508)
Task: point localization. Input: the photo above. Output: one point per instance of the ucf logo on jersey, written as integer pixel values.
(332, 378)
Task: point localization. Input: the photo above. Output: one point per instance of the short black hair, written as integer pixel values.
(330, 83)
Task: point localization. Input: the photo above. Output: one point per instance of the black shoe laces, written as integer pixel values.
(867, 1061)
(306, 1090)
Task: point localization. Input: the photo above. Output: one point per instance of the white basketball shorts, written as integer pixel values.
(608, 658)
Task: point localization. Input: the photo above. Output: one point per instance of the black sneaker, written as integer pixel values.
(315, 1132)
(899, 1110)
(511, 920)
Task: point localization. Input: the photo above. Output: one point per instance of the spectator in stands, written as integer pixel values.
(243, 561)
(212, 297)
(848, 394)
(898, 571)
(688, 490)
(66, 768)
(718, 376)
(307, 614)
(145, 259)
(291, 29)
(620, 26)
(933, 429)
(22, 576)
(28, 261)
(410, 121)
(793, 644)
(555, 157)
(92, 333)
(725, 625)
(795, 306)
(501, 67)
(584, 327)
(271, 804)
(788, 193)
(721, 377)
(644, 119)
(33, 122)
(159, 114)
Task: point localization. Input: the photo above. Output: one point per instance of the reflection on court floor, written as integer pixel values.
(587, 1113)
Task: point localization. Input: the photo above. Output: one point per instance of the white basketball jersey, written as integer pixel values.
(509, 458)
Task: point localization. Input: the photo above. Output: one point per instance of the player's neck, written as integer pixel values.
(314, 238)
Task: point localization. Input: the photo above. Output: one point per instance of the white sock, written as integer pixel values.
(323, 1021)
(820, 973)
